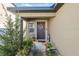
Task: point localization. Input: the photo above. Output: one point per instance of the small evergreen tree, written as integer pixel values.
(11, 37)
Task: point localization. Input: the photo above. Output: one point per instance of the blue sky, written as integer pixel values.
(35, 4)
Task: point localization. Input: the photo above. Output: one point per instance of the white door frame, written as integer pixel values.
(39, 20)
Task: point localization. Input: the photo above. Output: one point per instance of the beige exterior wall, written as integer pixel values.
(64, 29)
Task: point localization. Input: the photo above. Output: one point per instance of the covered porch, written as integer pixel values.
(37, 25)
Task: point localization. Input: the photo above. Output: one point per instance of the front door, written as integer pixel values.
(41, 31)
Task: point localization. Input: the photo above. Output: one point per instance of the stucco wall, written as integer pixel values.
(64, 29)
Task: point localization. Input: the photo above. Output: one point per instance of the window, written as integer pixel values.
(31, 27)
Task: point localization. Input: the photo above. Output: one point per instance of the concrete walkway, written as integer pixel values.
(38, 49)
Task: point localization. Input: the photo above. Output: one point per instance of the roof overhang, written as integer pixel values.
(53, 8)
(37, 9)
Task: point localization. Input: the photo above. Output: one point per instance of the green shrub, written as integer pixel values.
(49, 51)
(27, 42)
(49, 45)
(26, 47)
(11, 38)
